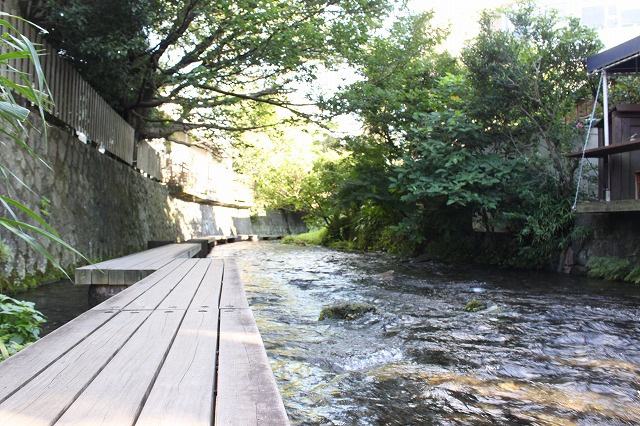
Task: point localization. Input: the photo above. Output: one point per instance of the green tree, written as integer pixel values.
(279, 163)
(484, 143)
(398, 70)
(525, 83)
(625, 89)
(180, 65)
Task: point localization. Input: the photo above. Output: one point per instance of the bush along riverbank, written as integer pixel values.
(613, 269)
(20, 325)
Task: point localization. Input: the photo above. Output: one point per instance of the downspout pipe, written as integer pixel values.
(605, 106)
(605, 112)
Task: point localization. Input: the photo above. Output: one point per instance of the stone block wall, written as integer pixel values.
(608, 235)
(278, 222)
(100, 206)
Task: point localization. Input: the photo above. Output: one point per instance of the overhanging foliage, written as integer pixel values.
(219, 66)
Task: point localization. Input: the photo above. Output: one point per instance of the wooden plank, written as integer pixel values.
(83, 275)
(54, 83)
(153, 296)
(183, 393)
(246, 393)
(181, 295)
(23, 366)
(152, 255)
(233, 294)
(208, 295)
(68, 100)
(117, 394)
(124, 262)
(49, 394)
(116, 276)
(181, 251)
(209, 238)
(126, 297)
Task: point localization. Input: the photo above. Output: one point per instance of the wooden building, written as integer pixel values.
(618, 148)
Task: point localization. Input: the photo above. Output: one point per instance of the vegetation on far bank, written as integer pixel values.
(460, 158)
(313, 237)
(612, 268)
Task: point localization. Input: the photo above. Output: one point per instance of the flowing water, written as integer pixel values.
(548, 350)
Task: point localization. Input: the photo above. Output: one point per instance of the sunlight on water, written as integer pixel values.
(548, 350)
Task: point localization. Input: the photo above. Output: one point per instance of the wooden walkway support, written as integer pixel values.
(180, 347)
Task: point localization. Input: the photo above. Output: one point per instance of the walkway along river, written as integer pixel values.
(549, 349)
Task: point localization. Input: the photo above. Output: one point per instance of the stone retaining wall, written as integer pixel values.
(609, 235)
(100, 206)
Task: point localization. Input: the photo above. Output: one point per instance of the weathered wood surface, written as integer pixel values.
(20, 369)
(247, 392)
(151, 355)
(233, 293)
(131, 269)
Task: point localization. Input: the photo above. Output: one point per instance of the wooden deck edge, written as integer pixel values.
(22, 367)
(246, 389)
(113, 361)
(233, 294)
(105, 273)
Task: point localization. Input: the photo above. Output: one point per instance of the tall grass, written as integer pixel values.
(313, 237)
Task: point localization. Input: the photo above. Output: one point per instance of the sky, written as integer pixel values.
(622, 17)
(462, 15)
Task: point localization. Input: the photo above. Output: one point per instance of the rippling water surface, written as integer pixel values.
(548, 350)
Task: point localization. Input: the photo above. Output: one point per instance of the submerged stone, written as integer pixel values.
(475, 305)
(347, 311)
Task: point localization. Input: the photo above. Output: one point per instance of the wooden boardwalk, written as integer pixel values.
(180, 347)
(130, 269)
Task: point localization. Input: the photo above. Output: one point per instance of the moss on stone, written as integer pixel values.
(15, 283)
(475, 305)
(346, 311)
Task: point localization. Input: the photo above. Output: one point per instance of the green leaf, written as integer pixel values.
(12, 110)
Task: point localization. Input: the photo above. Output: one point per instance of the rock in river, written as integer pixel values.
(348, 311)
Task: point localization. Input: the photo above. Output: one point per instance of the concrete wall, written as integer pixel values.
(100, 206)
(277, 222)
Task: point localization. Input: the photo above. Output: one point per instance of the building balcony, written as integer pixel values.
(609, 206)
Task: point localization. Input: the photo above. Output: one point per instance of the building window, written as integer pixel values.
(630, 17)
(593, 16)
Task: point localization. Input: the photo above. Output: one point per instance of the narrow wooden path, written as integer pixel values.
(180, 347)
(130, 269)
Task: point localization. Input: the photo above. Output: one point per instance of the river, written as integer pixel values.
(548, 350)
